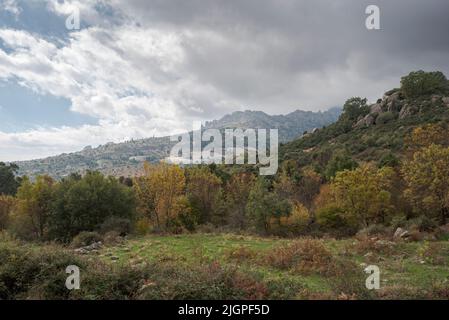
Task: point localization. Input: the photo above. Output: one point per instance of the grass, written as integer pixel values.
(408, 269)
(403, 266)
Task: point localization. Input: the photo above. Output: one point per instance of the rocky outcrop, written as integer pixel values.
(406, 111)
(394, 103)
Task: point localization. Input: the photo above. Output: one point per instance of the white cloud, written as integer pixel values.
(11, 6)
(162, 64)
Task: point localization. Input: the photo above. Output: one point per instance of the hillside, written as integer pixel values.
(125, 159)
(374, 132)
(291, 126)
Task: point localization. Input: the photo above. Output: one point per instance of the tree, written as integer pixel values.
(341, 160)
(296, 221)
(7, 203)
(203, 189)
(427, 181)
(264, 205)
(8, 181)
(161, 194)
(354, 108)
(419, 83)
(364, 193)
(84, 204)
(34, 205)
(426, 135)
(299, 186)
(237, 193)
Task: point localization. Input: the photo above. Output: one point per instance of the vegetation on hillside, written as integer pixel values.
(380, 175)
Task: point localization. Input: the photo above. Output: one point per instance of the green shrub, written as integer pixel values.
(28, 274)
(331, 219)
(421, 83)
(422, 223)
(385, 117)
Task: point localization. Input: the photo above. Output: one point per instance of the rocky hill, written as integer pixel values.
(373, 132)
(125, 159)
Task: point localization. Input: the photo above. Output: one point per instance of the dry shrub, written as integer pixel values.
(206, 281)
(348, 282)
(365, 245)
(439, 291)
(86, 238)
(304, 256)
(399, 292)
(113, 238)
(251, 288)
(307, 294)
(240, 254)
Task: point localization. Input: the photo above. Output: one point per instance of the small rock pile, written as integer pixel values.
(90, 248)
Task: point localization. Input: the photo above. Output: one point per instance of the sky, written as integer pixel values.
(143, 68)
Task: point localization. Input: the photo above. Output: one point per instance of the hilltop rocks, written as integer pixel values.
(368, 120)
(376, 108)
(408, 110)
(394, 105)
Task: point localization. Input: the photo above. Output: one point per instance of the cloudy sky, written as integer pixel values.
(138, 68)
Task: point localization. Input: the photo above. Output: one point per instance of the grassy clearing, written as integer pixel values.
(401, 264)
(188, 266)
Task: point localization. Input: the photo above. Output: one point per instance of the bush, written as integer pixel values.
(112, 238)
(385, 117)
(143, 226)
(422, 223)
(374, 230)
(372, 245)
(240, 254)
(331, 219)
(432, 252)
(86, 238)
(120, 225)
(421, 83)
(389, 160)
(30, 274)
(210, 282)
(304, 256)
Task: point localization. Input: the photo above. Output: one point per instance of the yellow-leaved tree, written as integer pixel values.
(364, 194)
(427, 181)
(160, 192)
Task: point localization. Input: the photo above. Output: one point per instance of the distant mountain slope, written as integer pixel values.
(291, 126)
(125, 159)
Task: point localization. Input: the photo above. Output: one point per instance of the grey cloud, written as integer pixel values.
(258, 52)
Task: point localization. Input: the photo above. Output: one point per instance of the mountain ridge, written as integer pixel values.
(125, 158)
